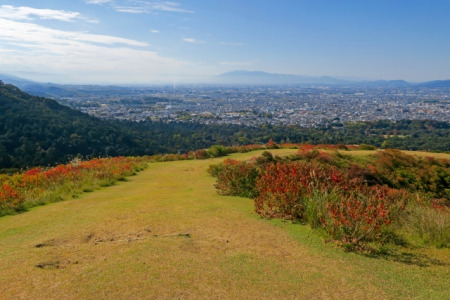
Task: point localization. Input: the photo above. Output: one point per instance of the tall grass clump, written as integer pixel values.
(237, 179)
(430, 224)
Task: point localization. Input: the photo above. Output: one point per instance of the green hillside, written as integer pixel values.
(39, 131)
(166, 233)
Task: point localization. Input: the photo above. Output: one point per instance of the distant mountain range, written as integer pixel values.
(258, 77)
(241, 77)
(17, 81)
(54, 90)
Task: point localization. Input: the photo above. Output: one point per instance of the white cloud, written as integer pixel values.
(167, 6)
(33, 33)
(97, 1)
(86, 57)
(29, 13)
(131, 10)
(144, 7)
(154, 31)
(192, 41)
(189, 40)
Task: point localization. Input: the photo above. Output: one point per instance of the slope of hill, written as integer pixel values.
(39, 131)
(18, 81)
(166, 233)
(436, 84)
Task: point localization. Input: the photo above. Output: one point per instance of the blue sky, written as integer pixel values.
(140, 41)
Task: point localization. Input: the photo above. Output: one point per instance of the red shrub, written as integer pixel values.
(9, 197)
(283, 187)
(201, 154)
(358, 215)
(31, 185)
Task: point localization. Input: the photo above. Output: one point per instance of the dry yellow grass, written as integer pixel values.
(166, 234)
(414, 153)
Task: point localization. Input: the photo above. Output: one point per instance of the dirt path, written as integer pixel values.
(166, 234)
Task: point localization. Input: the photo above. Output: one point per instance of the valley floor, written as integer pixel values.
(167, 234)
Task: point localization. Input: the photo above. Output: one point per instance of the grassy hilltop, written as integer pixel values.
(166, 233)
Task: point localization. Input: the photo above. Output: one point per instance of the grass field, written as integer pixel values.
(166, 234)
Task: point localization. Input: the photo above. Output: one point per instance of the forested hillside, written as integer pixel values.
(36, 131)
(39, 131)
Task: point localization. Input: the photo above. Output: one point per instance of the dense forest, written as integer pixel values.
(36, 131)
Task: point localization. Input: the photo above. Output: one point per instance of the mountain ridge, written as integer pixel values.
(260, 77)
(254, 77)
(237, 77)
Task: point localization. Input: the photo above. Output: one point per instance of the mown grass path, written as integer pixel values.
(166, 234)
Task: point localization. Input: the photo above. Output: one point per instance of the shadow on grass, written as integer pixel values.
(393, 247)
(408, 258)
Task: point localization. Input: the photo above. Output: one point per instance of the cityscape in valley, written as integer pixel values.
(276, 105)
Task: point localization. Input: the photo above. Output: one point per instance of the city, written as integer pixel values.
(252, 106)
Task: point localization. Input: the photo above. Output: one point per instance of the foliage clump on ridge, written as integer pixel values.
(38, 186)
(354, 200)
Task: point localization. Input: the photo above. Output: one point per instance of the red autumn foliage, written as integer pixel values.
(18, 189)
(359, 214)
(354, 207)
(283, 187)
(201, 154)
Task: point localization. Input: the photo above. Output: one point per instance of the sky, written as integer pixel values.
(189, 41)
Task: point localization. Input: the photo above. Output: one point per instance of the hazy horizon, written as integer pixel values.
(157, 42)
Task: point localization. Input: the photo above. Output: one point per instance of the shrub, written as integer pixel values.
(400, 170)
(360, 214)
(366, 147)
(10, 199)
(271, 145)
(354, 200)
(38, 186)
(201, 154)
(237, 180)
(283, 188)
(265, 158)
(214, 170)
(217, 151)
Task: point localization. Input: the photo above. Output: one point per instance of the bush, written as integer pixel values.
(283, 188)
(238, 180)
(354, 200)
(214, 170)
(217, 151)
(271, 145)
(37, 186)
(201, 154)
(366, 147)
(425, 175)
(359, 215)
